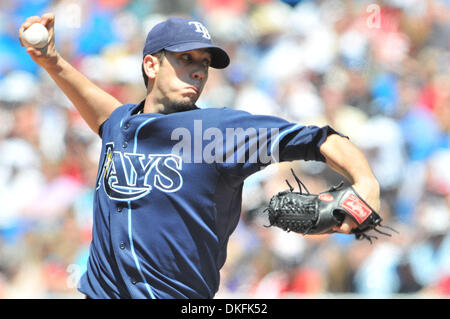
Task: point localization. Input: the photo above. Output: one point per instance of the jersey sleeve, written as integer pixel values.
(114, 120)
(100, 129)
(255, 141)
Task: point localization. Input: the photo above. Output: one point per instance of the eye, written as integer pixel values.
(206, 63)
(186, 58)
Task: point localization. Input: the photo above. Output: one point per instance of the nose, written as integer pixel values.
(199, 75)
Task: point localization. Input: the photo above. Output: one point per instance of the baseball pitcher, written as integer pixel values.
(166, 205)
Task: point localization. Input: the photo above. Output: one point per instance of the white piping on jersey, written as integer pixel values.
(278, 138)
(136, 261)
(130, 230)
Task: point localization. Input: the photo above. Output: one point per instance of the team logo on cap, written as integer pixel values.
(200, 28)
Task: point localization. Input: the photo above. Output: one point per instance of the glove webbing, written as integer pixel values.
(303, 226)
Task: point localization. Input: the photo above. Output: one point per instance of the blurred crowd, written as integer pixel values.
(378, 71)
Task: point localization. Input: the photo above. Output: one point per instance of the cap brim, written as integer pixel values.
(219, 57)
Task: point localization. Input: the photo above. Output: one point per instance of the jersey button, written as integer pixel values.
(126, 126)
(119, 209)
(122, 245)
(133, 281)
(125, 144)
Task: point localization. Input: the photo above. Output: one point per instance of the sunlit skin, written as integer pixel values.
(176, 81)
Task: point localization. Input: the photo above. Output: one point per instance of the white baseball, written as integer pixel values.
(35, 36)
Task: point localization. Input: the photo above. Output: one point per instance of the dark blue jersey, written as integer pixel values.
(168, 195)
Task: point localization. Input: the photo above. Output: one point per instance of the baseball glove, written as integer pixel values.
(319, 213)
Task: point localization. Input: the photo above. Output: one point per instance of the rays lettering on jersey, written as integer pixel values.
(130, 176)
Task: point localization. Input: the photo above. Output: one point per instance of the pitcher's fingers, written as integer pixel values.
(34, 52)
(48, 20)
(346, 227)
(30, 20)
(341, 229)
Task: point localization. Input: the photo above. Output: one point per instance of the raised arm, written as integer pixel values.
(94, 104)
(346, 159)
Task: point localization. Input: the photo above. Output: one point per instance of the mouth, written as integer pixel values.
(193, 89)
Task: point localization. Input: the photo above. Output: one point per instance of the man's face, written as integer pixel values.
(181, 78)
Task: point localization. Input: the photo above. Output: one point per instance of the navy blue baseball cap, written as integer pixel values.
(180, 35)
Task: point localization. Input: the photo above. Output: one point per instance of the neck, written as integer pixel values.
(166, 108)
(151, 107)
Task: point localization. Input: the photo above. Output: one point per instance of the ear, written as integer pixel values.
(151, 66)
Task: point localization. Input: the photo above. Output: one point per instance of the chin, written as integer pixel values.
(180, 106)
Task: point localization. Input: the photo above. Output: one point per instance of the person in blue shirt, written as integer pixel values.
(170, 174)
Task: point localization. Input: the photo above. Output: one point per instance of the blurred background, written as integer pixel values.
(377, 71)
